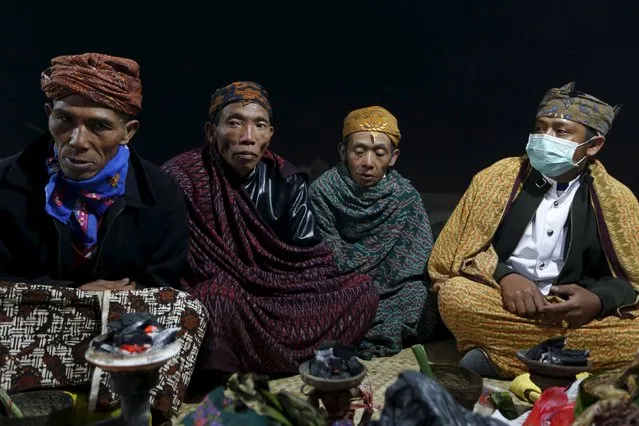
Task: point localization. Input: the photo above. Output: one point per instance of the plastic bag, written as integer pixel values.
(415, 399)
(552, 409)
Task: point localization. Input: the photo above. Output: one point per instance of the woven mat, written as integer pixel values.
(383, 372)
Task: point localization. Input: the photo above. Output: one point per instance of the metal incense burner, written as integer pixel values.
(336, 395)
(132, 377)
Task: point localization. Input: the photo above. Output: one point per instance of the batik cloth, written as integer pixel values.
(239, 91)
(567, 103)
(372, 119)
(45, 332)
(107, 80)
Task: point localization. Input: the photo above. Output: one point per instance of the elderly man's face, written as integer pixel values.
(86, 135)
(241, 134)
(368, 156)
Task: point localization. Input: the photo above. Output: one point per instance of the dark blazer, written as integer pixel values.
(585, 260)
(143, 236)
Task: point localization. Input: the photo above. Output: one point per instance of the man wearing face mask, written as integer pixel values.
(255, 260)
(375, 221)
(543, 245)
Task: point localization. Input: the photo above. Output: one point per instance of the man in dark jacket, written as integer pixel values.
(269, 282)
(88, 232)
(78, 207)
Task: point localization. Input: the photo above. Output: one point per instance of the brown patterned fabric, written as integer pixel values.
(107, 80)
(372, 119)
(239, 91)
(567, 103)
(474, 313)
(45, 331)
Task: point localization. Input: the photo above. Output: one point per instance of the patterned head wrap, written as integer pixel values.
(239, 91)
(108, 80)
(579, 107)
(372, 119)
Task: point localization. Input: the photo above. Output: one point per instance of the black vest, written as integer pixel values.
(582, 253)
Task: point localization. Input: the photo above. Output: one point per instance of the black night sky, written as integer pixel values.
(463, 77)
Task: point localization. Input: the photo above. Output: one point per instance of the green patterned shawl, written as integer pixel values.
(383, 232)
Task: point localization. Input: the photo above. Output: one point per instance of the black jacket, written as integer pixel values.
(143, 236)
(585, 260)
(282, 202)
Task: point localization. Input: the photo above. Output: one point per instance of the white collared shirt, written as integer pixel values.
(539, 255)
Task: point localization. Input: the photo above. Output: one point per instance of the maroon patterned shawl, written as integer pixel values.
(270, 303)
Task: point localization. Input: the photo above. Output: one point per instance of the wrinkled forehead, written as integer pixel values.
(372, 139)
(82, 107)
(247, 110)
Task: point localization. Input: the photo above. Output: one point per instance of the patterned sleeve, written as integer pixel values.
(324, 218)
(428, 232)
(442, 258)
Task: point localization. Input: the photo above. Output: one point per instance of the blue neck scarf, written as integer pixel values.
(81, 204)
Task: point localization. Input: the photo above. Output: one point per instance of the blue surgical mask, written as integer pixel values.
(552, 156)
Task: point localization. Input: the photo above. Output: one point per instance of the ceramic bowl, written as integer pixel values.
(464, 385)
(546, 375)
(42, 408)
(330, 385)
(152, 359)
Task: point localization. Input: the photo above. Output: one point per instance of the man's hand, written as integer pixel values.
(581, 306)
(124, 284)
(521, 296)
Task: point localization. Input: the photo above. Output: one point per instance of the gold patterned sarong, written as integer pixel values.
(474, 313)
(463, 261)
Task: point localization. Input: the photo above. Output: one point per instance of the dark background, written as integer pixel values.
(463, 77)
